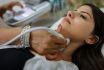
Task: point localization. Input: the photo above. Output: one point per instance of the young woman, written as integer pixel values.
(85, 28)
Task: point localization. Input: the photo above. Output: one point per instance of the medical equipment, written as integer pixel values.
(30, 14)
(55, 25)
(33, 2)
(36, 28)
(17, 9)
(8, 15)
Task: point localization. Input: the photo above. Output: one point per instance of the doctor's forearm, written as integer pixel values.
(7, 34)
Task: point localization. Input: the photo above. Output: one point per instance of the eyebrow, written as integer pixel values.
(86, 13)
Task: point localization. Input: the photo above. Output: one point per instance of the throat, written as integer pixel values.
(32, 51)
(68, 52)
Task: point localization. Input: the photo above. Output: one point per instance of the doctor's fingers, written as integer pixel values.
(56, 46)
(58, 41)
(53, 48)
(51, 51)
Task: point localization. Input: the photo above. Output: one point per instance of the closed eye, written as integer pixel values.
(82, 16)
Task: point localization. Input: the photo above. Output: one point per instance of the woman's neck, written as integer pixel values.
(68, 52)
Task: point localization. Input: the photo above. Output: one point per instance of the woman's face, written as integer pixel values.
(78, 24)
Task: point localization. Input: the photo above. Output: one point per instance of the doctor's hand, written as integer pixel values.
(46, 44)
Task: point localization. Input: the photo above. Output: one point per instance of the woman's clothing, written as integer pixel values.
(40, 63)
(22, 59)
(14, 59)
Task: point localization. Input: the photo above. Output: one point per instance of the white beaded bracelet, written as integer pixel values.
(25, 38)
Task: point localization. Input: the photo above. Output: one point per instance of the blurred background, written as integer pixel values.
(61, 7)
(43, 12)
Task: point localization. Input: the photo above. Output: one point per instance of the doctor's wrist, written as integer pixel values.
(25, 38)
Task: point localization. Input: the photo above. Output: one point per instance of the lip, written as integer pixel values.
(59, 28)
(66, 19)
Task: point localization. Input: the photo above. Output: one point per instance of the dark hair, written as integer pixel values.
(89, 57)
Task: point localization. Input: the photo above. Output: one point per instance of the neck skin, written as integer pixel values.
(68, 52)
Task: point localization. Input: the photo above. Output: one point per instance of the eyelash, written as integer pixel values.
(82, 16)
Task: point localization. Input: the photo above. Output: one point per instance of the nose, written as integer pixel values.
(71, 14)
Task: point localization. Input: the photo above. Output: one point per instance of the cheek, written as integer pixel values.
(73, 30)
(77, 30)
(81, 30)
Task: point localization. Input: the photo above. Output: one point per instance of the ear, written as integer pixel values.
(92, 39)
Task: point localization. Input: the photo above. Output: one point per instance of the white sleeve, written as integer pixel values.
(40, 63)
